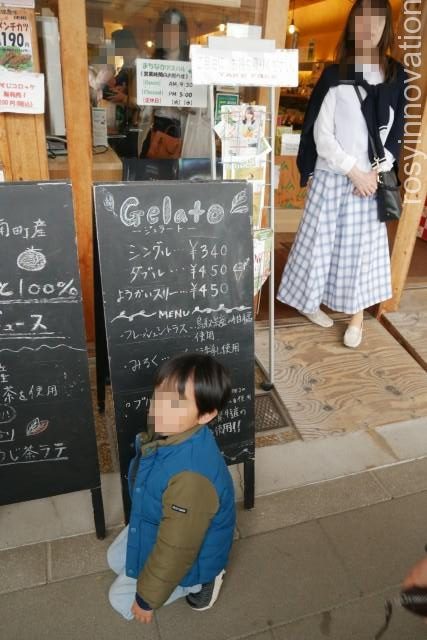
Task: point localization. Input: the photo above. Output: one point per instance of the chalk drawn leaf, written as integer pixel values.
(36, 426)
(109, 202)
(239, 203)
(7, 413)
(31, 260)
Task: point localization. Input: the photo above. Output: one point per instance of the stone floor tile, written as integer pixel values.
(404, 479)
(71, 610)
(300, 463)
(272, 578)
(378, 544)
(59, 516)
(79, 555)
(22, 568)
(358, 620)
(306, 503)
(407, 439)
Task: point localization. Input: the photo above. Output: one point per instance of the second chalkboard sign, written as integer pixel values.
(47, 434)
(176, 263)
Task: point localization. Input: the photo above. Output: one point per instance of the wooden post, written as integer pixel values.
(406, 236)
(410, 165)
(22, 137)
(275, 25)
(72, 24)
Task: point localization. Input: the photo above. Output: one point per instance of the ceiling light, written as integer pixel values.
(292, 28)
(149, 44)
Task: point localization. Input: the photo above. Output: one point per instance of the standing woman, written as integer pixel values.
(340, 256)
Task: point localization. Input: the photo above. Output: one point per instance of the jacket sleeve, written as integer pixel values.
(189, 504)
(395, 136)
(327, 145)
(307, 153)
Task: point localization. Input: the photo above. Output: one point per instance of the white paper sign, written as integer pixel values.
(23, 4)
(257, 69)
(21, 92)
(167, 83)
(99, 127)
(290, 144)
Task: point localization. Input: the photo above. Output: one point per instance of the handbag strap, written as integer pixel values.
(371, 140)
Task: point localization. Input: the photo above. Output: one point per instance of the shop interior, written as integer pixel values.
(314, 27)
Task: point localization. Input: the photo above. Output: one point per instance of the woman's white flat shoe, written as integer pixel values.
(353, 336)
(320, 318)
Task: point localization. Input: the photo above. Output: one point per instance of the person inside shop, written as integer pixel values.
(183, 516)
(172, 43)
(340, 256)
(117, 90)
(120, 91)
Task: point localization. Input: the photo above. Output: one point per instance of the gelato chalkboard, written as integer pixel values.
(176, 263)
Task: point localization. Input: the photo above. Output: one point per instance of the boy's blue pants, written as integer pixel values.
(122, 591)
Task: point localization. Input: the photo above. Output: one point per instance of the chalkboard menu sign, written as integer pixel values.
(47, 438)
(176, 263)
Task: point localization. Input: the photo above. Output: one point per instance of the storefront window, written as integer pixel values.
(120, 32)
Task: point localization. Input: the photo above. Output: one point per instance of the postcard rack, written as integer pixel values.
(270, 136)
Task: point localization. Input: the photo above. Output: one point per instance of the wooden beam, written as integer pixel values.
(72, 25)
(413, 168)
(275, 25)
(22, 137)
(406, 236)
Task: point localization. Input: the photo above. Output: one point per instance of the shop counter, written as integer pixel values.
(107, 167)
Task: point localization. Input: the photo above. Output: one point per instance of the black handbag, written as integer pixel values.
(388, 193)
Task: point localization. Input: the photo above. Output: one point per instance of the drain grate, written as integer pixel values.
(267, 414)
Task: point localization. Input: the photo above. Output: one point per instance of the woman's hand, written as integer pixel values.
(365, 184)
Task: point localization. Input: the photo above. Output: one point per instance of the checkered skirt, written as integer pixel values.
(340, 256)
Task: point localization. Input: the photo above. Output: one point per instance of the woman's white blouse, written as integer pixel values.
(340, 130)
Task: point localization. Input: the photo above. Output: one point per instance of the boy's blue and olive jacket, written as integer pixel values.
(183, 514)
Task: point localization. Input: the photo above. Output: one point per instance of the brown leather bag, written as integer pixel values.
(162, 146)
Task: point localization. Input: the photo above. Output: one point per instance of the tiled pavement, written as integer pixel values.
(311, 563)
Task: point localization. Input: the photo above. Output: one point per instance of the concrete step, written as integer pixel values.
(278, 468)
(26, 563)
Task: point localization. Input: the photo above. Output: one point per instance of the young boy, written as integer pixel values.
(182, 519)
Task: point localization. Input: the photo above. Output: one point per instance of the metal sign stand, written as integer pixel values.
(268, 385)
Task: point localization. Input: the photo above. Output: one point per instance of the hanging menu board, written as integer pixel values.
(47, 439)
(176, 264)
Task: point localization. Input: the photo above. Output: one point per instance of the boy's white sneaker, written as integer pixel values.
(353, 336)
(208, 595)
(319, 317)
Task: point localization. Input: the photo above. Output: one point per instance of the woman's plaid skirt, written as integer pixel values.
(340, 256)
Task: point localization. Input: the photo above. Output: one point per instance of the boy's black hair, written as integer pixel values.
(212, 385)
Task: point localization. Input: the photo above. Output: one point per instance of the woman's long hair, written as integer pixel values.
(172, 17)
(346, 48)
